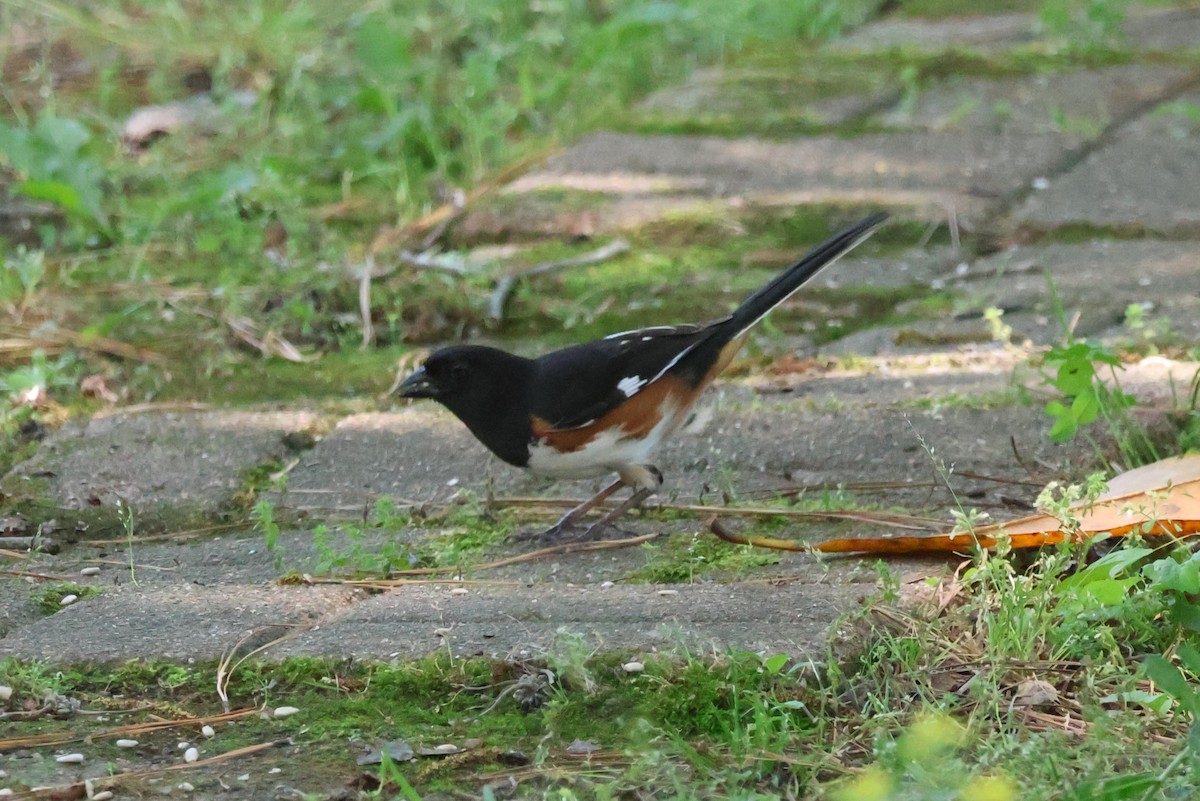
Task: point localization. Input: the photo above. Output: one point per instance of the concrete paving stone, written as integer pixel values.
(175, 621)
(985, 33)
(419, 454)
(919, 174)
(191, 460)
(1174, 119)
(1144, 29)
(1146, 179)
(730, 442)
(1098, 280)
(1167, 30)
(734, 97)
(523, 622)
(1078, 105)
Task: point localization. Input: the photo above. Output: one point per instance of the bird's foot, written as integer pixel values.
(569, 532)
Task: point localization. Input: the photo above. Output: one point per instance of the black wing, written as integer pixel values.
(579, 384)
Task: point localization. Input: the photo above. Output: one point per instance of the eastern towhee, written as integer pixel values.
(603, 407)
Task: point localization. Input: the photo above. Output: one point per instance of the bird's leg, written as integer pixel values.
(572, 517)
(570, 520)
(647, 479)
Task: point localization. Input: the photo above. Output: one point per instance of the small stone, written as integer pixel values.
(67, 600)
(90, 571)
(668, 592)
(1041, 183)
(187, 787)
(1035, 692)
(183, 746)
(582, 747)
(633, 667)
(191, 755)
(446, 748)
(103, 795)
(245, 777)
(127, 743)
(442, 631)
(459, 591)
(208, 731)
(285, 711)
(273, 771)
(5, 692)
(604, 585)
(6, 793)
(69, 759)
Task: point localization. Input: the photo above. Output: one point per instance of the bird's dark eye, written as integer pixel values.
(458, 371)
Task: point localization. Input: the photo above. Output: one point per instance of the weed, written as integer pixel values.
(1083, 25)
(127, 518)
(263, 516)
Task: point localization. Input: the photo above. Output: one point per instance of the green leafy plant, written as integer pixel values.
(21, 275)
(41, 372)
(922, 764)
(1076, 370)
(53, 163)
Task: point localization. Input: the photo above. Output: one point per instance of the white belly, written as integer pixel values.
(605, 454)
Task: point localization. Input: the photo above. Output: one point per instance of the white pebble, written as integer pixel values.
(90, 571)
(604, 585)
(103, 795)
(459, 591)
(185, 745)
(187, 787)
(5, 692)
(127, 743)
(285, 711)
(67, 600)
(275, 770)
(6, 793)
(245, 777)
(208, 731)
(69, 759)
(191, 755)
(1041, 183)
(668, 592)
(633, 667)
(442, 631)
(446, 748)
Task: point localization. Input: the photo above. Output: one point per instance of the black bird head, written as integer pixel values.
(482, 386)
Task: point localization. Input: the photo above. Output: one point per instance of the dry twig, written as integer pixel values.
(505, 285)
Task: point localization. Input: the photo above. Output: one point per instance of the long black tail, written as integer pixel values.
(786, 283)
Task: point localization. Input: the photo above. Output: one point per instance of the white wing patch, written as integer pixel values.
(631, 385)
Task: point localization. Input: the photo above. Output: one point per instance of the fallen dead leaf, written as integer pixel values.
(96, 386)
